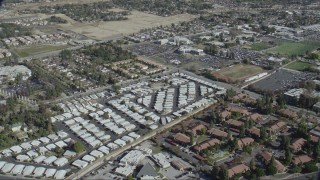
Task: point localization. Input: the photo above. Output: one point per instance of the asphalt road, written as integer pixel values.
(309, 176)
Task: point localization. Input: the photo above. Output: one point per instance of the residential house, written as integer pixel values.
(242, 111)
(297, 144)
(249, 101)
(180, 165)
(206, 144)
(266, 158)
(278, 126)
(195, 129)
(315, 132)
(239, 97)
(181, 138)
(254, 132)
(245, 142)
(217, 133)
(237, 169)
(256, 117)
(225, 115)
(288, 113)
(302, 159)
(314, 139)
(234, 123)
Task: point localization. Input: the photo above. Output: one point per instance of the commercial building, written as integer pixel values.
(292, 96)
(11, 72)
(125, 171)
(161, 160)
(132, 158)
(147, 172)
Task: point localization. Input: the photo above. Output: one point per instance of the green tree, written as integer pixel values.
(285, 142)
(223, 174)
(49, 126)
(78, 147)
(59, 151)
(116, 87)
(281, 101)
(19, 78)
(313, 56)
(65, 55)
(271, 168)
(230, 93)
(288, 156)
(130, 177)
(229, 136)
(203, 131)
(302, 131)
(310, 167)
(242, 131)
(296, 169)
(247, 149)
(215, 172)
(106, 115)
(221, 37)
(11, 103)
(252, 164)
(259, 172)
(263, 133)
(316, 152)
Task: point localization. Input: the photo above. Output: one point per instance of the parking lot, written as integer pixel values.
(282, 80)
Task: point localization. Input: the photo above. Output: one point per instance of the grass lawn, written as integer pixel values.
(299, 66)
(39, 49)
(218, 157)
(260, 46)
(294, 48)
(238, 72)
(201, 138)
(156, 149)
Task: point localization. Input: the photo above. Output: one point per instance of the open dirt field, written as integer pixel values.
(237, 72)
(137, 21)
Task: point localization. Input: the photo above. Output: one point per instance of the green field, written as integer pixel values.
(156, 149)
(299, 66)
(201, 139)
(218, 156)
(294, 48)
(39, 49)
(239, 72)
(260, 46)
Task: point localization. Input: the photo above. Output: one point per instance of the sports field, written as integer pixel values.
(237, 72)
(39, 49)
(299, 66)
(260, 46)
(294, 48)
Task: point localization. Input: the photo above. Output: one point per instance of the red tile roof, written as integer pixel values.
(182, 138)
(217, 132)
(302, 159)
(241, 168)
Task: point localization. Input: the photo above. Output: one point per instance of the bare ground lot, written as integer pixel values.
(137, 21)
